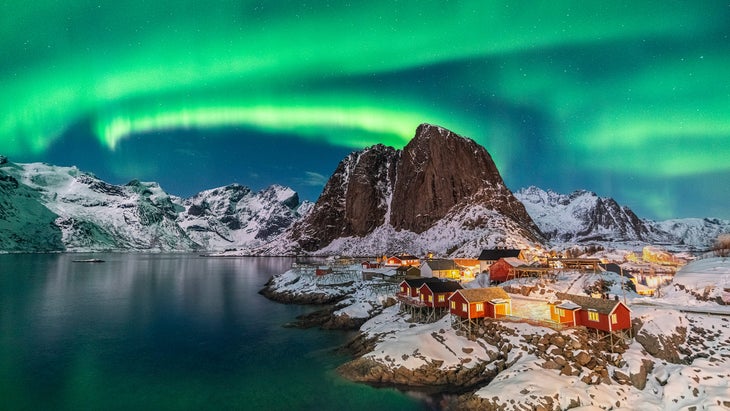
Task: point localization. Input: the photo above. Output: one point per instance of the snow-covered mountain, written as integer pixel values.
(583, 216)
(51, 208)
(234, 216)
(441, 193)
(76, 211)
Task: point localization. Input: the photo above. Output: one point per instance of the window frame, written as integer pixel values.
(593, 316)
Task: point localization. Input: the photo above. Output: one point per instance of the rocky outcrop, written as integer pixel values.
(440, 169)
(665, 345)
(432, 376)
(327, 319)
(428, 378)
(288, 297)
(354, 200)
(438, 178)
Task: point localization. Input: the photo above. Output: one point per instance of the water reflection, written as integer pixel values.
(163, 332)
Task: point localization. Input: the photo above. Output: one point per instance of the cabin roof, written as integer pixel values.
(568, 305)
(405, 257)
(600, 305)
(407, 268)
(442, 286)
(441, 264)
(496, 254)
(417, 282)
(475, 295)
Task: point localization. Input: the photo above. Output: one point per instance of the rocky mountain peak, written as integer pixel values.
(438, 170)
(438, 176)
(354, 200)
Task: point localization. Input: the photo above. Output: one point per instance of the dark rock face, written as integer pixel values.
(353, 202)
(438, 170)
(435, 174)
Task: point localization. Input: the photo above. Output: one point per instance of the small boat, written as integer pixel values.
(89, 260)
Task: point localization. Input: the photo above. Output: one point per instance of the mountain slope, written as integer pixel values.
(583, 216)
(25, 224)
(50, 208)
(94, 215)
(234, 216)
(384, 200)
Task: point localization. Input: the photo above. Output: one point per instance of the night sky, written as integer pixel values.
(630, 99)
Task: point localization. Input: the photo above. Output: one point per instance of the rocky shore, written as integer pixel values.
(674, 361)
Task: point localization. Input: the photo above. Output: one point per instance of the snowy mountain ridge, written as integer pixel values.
(583, 216)
(372, 204)
(51, 208)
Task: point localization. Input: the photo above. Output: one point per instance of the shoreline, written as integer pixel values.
(511, 365)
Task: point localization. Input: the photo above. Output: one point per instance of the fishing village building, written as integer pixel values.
(609, 318)
(469, 306)
(440, 268)
(490, 256)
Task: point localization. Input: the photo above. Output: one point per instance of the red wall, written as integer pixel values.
(499, 271)
(472, 308)
(623, 319)
(425, 291)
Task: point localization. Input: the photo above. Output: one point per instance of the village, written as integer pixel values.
(557, 330)
(472, 291)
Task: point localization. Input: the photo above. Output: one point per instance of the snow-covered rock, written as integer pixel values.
(52, 208)
(235, 217)
(89, 214)
(583, 216)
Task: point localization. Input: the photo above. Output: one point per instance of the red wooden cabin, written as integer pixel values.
(435, 294)
(409, 286)
(402, 259)
(600, 314)
(503, 269)
(490, 302)
(563, 312)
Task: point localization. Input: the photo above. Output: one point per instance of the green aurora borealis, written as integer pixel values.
(630, 99)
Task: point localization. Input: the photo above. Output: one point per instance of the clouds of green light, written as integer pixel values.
(633, 87)
(97, 58)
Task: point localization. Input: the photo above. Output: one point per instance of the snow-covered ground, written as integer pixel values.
(679, 359)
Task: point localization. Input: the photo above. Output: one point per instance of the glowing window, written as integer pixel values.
(593, 315)
(464, 307)
(430, 298)
(614, 318)
(442, 298)
(560, 312)
(453, 305)
(479, 306)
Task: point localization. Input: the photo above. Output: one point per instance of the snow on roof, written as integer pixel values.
(483, 294)
(568, 305)
(514, 262)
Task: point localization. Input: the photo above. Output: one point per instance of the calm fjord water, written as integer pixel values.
(164, 332)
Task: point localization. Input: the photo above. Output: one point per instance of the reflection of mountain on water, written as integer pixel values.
(139, 288)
